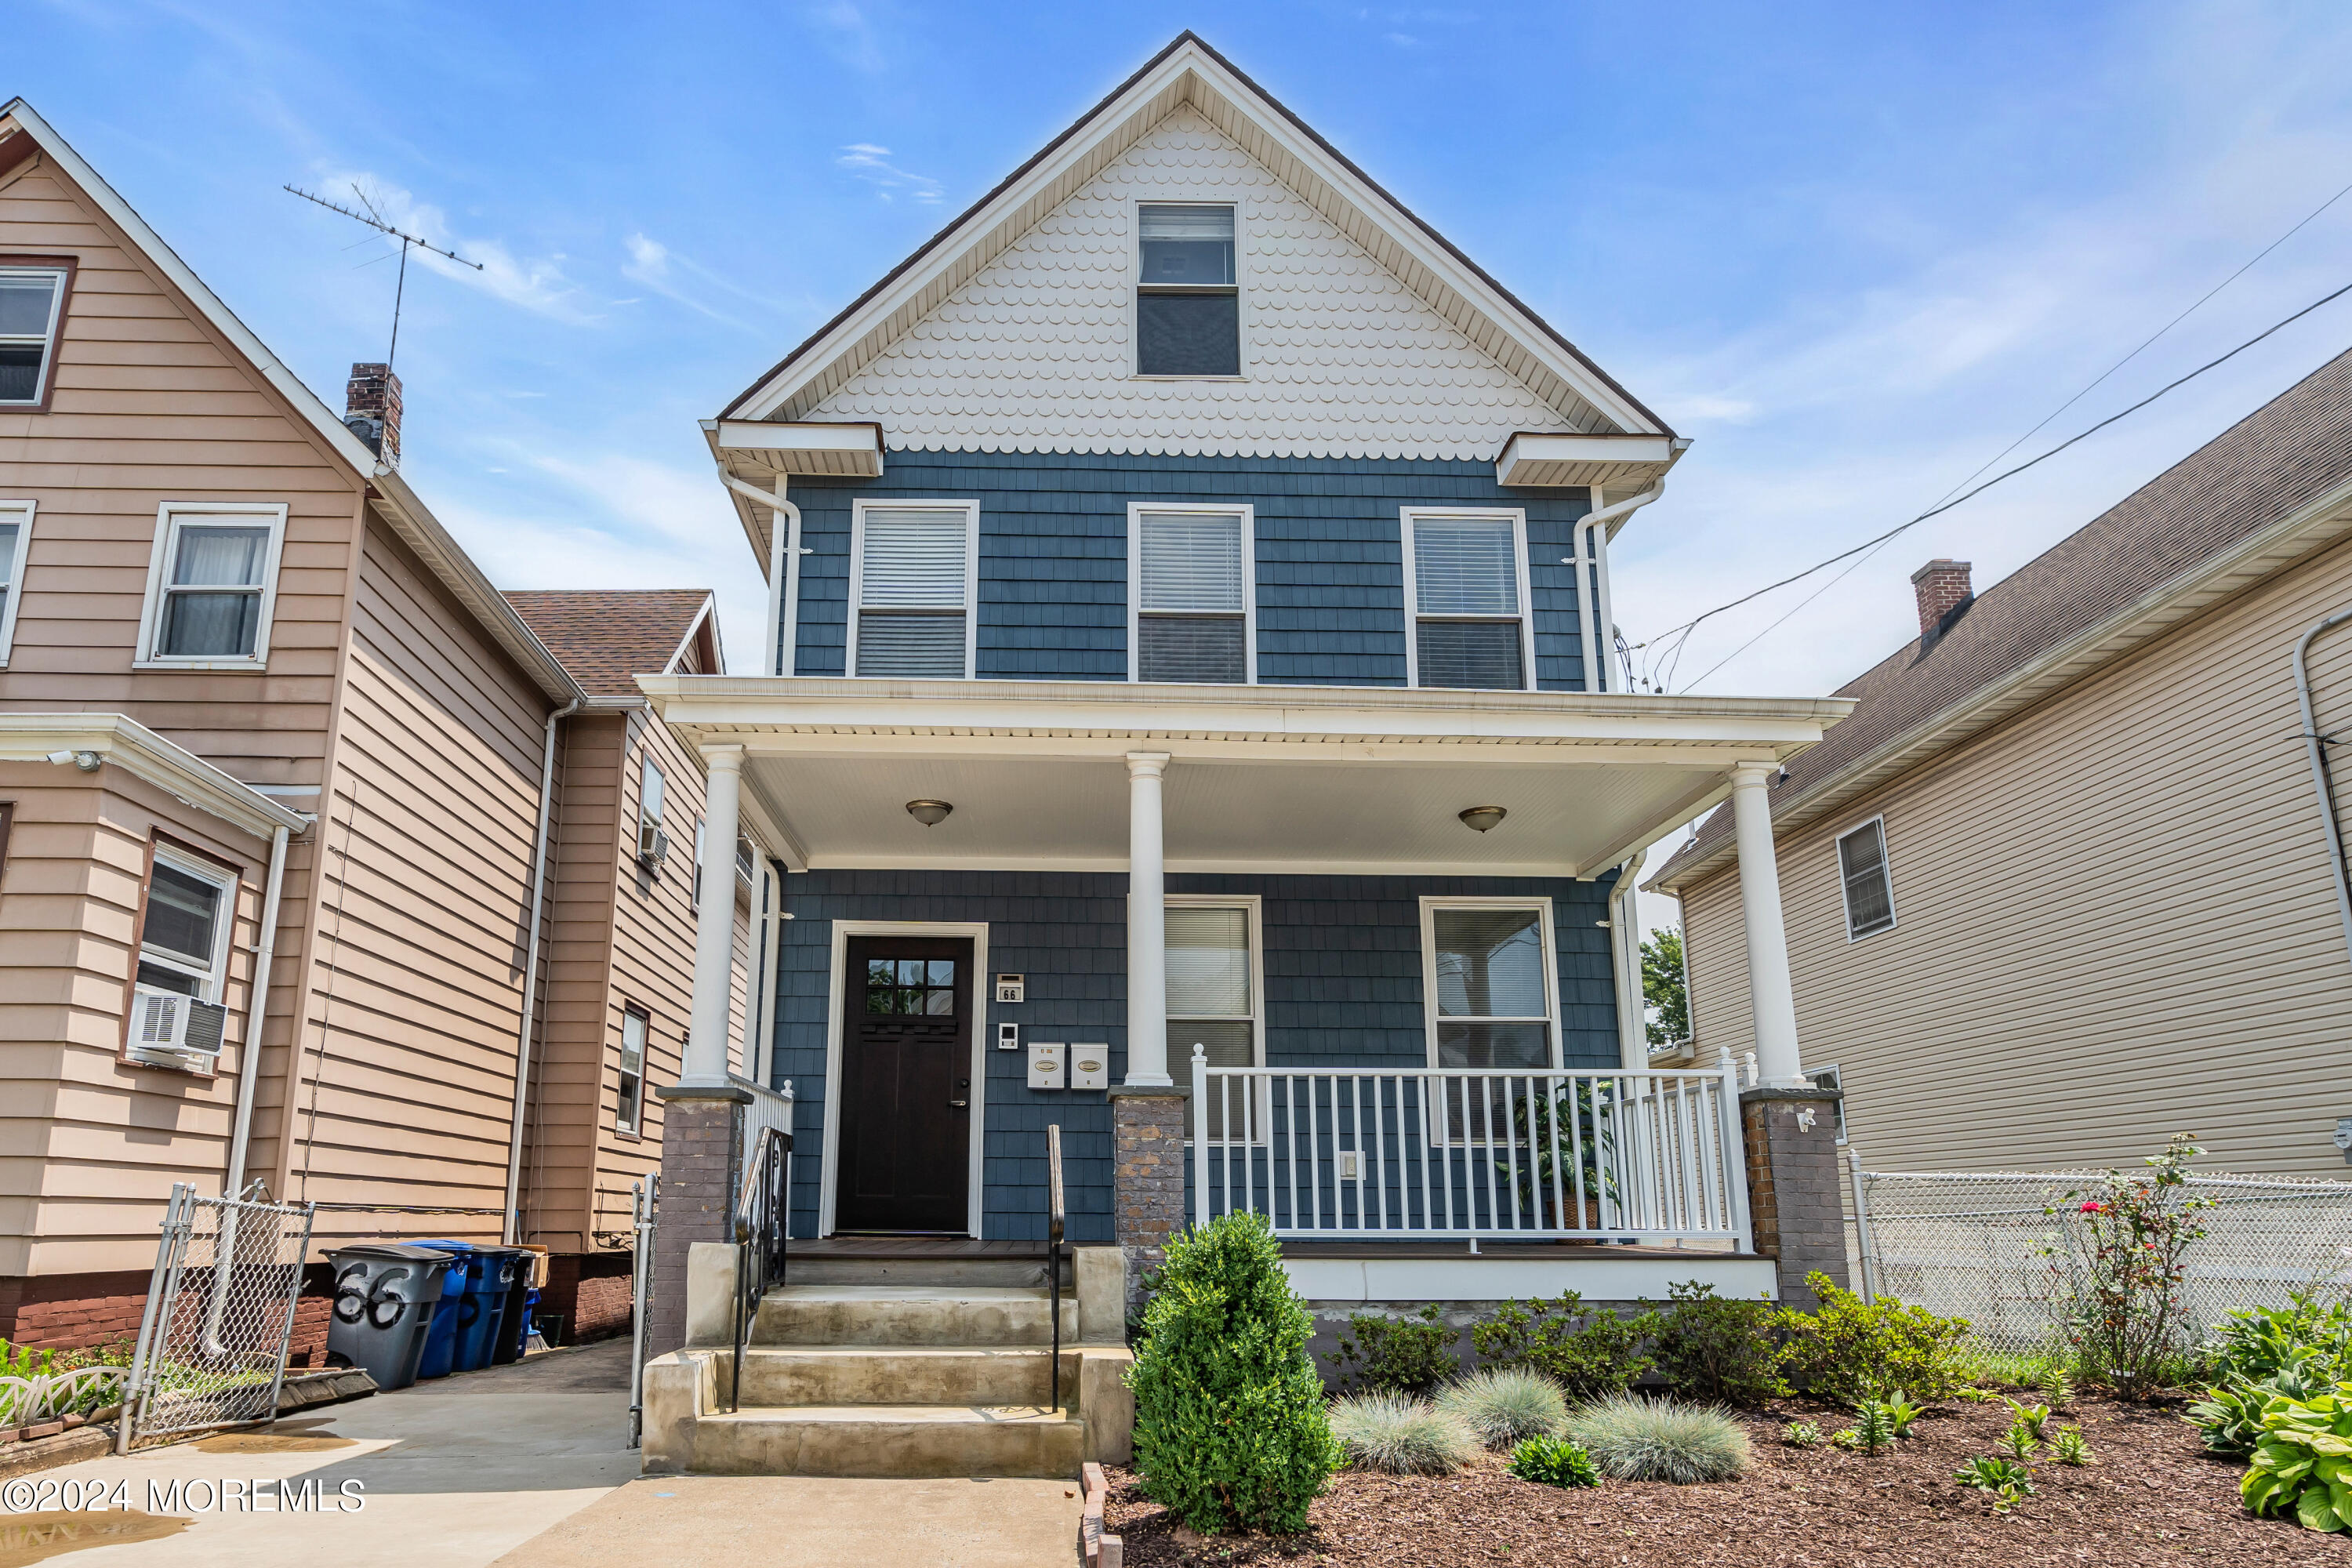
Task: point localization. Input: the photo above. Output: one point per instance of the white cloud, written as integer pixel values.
(872, 165)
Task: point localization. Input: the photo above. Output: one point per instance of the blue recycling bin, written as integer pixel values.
(491, 1282)
(460, 1309)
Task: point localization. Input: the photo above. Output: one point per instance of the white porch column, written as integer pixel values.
(1770, 992)
(714, 921)
(1147, 923)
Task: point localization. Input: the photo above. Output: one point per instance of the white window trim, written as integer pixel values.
(1430, 905)
(228, 882)
(20, 512)
(1136, 511)
(1186, 197)
(168, 517)
(982, 1027)
(1519, 519)
(857, 510)
(1885, 874)
(1256, 904)
(45, 382)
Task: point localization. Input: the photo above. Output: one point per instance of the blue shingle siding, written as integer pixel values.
(1053, 557)
(1342, 958)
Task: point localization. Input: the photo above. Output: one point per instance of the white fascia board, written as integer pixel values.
(1355, 1281)
(1082, 140)
(147, 756)
(709, 605)
(803, 446)
(1534, 459)
(1756, 727)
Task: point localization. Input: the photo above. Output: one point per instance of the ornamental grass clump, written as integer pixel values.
(1635, 1439)
(1505, 1404)
(1400, 1434)
(1231, 1430)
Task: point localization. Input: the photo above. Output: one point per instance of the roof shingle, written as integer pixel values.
(606, 638)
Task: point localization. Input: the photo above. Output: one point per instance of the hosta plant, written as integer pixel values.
(2302, 1465)
(1800, 1434)
(2034, 1418)
(2005, 1479)
(1554, 1462)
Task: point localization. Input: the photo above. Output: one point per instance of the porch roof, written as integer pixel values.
(1265, 779)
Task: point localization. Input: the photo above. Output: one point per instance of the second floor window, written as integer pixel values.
(1466, 592)
(16, 528)
(631, 1108)
(912, 582)
(31, 301)
(209, 591)
(1188, 307)
(1192, 598)
(1869, 892)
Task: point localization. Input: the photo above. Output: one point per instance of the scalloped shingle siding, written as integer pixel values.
(1034, 353)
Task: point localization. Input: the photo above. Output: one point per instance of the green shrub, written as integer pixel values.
(1230, 1424)
(2257, 1342)
(2006, 1479)
(1394, 1355)
(1849, 1348)
(2302, 1465)
(1403, 1437)
(1715, 1351)
(1504, 1404)
(1588, 1354)
(1635, 1439)
(1800, 1434)
(2119, 1256)
(1555, 1462)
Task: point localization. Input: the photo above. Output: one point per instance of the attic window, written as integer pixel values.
(31, 301)
(1188, 307)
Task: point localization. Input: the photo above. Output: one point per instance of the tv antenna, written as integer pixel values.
(374, 220)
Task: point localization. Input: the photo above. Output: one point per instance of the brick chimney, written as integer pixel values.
(371, 409)
(1942, 586)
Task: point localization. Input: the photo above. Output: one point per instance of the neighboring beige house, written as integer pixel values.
(243, 669)
(2064, 884)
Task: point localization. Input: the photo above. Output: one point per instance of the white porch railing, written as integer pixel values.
(1460, 1153)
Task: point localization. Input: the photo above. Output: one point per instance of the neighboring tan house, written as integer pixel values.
(243, 669)
(619, 934)
(2065, 883)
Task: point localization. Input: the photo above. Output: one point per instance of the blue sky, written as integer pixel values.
(1853, 250)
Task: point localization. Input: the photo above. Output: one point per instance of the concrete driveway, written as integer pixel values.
(527, 1465)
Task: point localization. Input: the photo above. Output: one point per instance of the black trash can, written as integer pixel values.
(384, 1295)
(506, 1336)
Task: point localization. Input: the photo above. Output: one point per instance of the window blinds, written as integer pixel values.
(1209, 1002)
(1192, 574)
(912, 592)
(1464, 566)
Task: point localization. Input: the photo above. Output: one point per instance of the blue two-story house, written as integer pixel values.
(1189, 718)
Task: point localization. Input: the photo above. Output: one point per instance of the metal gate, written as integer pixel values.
(220, 1315)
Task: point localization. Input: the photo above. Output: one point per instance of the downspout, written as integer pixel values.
(1592, 557)
(2315, 748)
(264, 958)
(513, 1229)
(1625, 956)
(784, 585)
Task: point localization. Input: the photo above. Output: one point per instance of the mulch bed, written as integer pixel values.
(2151, 1496)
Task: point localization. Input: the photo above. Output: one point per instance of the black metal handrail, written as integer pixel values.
(1055, 1218)
(763, 1239)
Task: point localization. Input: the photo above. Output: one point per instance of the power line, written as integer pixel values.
(1682, 633)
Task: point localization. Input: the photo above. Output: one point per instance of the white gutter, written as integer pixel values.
(1598, 631)
(530, 971)
(784, 585)
(2315, 748)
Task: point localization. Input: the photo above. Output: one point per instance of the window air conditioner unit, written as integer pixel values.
(168, 1029)
(653, 844)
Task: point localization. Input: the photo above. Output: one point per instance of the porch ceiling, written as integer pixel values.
(1311, 780)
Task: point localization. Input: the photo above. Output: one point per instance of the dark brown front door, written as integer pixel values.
(906, 1089)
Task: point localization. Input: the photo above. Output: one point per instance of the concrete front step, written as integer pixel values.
(965, 1317)
(893, 1441)
(939, 1273)
(902, 1374)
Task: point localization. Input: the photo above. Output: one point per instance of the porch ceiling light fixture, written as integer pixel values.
(929, 813)
(1482, 818)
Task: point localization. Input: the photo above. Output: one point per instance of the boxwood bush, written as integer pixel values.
(1231, 1430)
(1850, 1350)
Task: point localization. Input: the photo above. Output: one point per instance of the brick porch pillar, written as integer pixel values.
(702, 1133)
(1796, 1199)
(1148, 1127)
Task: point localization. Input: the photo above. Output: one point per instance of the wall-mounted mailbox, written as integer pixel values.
(1047, 1065)
(1090, 1066)
(1008, 988)
(1008, 1037)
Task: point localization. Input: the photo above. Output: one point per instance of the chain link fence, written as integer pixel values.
(1980, 1244)
(220, 1313)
